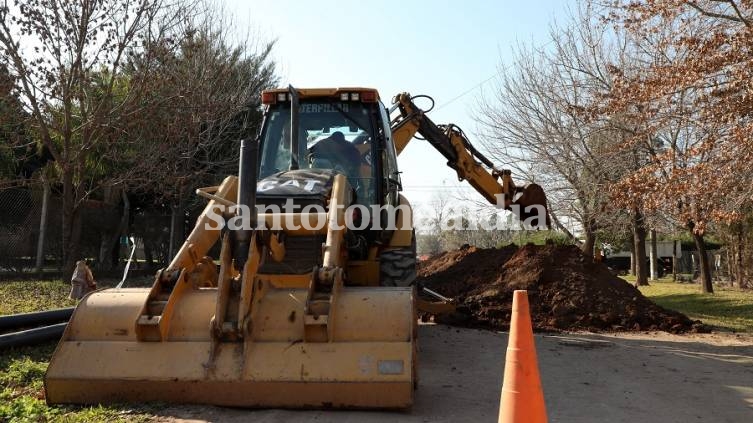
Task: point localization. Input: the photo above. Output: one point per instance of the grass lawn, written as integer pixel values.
(22, 369)
(727, 309)
(26, 296)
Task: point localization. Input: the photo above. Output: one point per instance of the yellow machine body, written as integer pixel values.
(228, 330)
(263, 340)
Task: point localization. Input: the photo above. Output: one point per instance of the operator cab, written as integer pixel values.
(340, 130)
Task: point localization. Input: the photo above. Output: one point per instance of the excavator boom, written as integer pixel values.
(495, 185)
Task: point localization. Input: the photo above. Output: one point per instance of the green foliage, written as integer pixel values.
(541, 238)
(7, 161)
(22, 369)
(21, 385)
(25, 408)
(22, 392)
(620, 240)
(23, 373)
(687, 242)
(28, 296)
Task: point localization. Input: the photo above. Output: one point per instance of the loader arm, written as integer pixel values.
(495, 185)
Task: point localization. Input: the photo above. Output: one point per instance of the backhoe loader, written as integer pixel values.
(310, 302)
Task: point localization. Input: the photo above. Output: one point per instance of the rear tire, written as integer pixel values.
(397, 267)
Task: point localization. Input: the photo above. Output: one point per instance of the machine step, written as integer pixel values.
(154, 308)
(310, 320)
(149, 320)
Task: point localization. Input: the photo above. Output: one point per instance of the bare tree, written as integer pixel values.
(694, 97)
(438, 214)
(535, 121)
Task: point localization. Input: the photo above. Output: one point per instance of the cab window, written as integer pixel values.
(331, 135)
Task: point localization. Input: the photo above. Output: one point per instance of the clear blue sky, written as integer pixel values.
(439, 48)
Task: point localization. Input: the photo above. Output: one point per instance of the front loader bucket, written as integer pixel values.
(366, 362)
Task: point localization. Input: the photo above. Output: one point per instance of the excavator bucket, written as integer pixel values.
(252, 339)
(531, 204)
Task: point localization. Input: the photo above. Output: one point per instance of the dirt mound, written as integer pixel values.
(457, 271)
(566, 290)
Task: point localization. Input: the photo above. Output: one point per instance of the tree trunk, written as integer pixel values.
(706, 285)
(71, 225)
(74, 249)
(148, 256)
(67, 221)
(173, 226)
(559, 226)
(739, 269)
(103, 258)
(654, 257)
(177, 228)
(111, 240)
(639, 240)
(589, 242)
(674, 261)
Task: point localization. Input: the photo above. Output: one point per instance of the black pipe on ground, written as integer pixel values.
(32, 336)
(15, 321)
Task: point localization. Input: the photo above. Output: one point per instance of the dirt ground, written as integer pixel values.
(567, 290)
(644, 377)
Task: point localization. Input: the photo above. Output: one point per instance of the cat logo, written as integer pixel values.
(306, 184)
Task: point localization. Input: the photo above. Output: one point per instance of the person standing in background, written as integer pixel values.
(82, 281)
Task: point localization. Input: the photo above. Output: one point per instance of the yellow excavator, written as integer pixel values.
(310, 301)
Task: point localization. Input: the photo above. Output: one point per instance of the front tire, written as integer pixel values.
(397, 267)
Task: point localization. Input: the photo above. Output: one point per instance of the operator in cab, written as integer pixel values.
(335, 152)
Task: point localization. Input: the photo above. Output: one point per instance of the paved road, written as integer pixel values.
(587, 378)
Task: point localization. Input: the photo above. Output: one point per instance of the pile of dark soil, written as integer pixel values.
(567, 290)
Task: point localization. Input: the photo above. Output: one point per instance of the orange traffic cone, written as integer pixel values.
(522, 397)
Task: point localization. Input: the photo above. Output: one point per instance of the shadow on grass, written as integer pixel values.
(723, 313)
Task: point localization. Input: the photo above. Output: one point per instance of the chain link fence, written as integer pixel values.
(101, 241)
(20, 214)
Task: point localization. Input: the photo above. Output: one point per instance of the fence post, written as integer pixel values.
(42, 226)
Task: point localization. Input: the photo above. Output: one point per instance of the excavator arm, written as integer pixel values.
(496, 185)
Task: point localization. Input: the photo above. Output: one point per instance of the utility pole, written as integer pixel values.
(653, 257)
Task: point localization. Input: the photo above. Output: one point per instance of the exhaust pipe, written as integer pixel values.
(246, 197)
